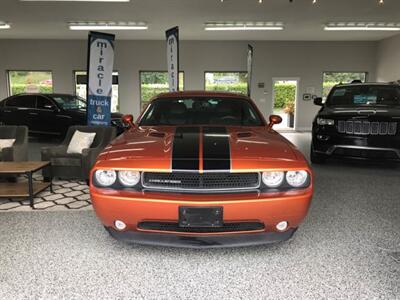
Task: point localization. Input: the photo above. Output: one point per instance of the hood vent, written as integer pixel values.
(157, 134)
(244, 134)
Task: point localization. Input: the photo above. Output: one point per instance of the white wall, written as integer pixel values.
(305, 60)
(388, 59)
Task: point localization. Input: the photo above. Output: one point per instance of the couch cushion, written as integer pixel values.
(80, 140)
(66, 161)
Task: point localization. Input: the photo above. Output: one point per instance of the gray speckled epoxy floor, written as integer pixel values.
(348, 248)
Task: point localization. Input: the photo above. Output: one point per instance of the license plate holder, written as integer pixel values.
(200, 216)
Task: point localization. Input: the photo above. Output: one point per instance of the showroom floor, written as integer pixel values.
(348, 248)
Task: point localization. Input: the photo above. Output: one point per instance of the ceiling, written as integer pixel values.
(303, 21)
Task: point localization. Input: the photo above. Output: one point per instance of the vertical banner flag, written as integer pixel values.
(173, 58)
(249, 68)
(99, 72)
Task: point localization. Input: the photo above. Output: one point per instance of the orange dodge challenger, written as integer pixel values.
(201, 170)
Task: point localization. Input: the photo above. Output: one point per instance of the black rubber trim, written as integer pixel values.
(227, 227)
(185, 151)
(216, 149)
(201, 242)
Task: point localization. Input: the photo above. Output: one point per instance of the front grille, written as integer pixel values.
(367, 127)
(227, 227)
(366, 153)
(201, 182)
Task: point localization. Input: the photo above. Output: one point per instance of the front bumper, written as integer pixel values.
(134, 208)
(331, 143)
(201, 241)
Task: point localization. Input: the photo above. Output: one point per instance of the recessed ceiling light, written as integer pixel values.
(74, 0)
(4, 25)
(108, 26)
(362, 26)
(233, 26)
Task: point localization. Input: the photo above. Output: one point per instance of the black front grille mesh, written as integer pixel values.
(227, 227)
(367, 127)
(366, 153)
(197, 181)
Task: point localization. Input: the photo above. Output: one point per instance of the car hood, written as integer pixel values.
(360, 111)
(200, 148)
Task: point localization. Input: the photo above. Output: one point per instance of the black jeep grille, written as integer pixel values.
(367, 127)
(227, 227)
(201, 182)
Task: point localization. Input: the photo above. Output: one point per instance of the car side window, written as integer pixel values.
(25, 101)
(44, 103)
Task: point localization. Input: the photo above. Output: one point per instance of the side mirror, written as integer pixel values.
(128, 120)
(274, 119)
(318, 101)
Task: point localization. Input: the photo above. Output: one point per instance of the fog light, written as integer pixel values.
(281, 226)
(120, 225)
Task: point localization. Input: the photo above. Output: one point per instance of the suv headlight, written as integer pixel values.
(322, 121)
(129, 178)
(297, 179)
(105, 178)
(273, 179)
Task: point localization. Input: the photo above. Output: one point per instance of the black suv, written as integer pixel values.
(47, 113)
(358, 120)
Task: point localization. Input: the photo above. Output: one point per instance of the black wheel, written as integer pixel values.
(317, 158)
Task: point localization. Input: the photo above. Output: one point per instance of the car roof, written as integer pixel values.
(43, 94)
(200, 94)
(367, 84)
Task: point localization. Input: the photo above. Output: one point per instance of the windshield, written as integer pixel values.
(201, 110)
(69, 102)
(366, 95)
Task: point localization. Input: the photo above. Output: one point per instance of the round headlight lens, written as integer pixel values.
(105, 177)
(129, 178)
(273, 179)
(296, 178)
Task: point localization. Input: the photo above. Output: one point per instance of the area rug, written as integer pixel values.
(67, 195)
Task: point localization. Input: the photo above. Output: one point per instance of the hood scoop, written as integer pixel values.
(244, 134)
(157, 134)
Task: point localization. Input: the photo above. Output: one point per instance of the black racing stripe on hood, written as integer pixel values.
(216, 149)
(185, 151)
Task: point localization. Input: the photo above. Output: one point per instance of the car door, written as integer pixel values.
(20, 110)
(45, 118)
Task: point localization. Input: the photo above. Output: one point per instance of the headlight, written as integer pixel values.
(322, 121)
(105, 177)
(273, 179)
(296, 178)
(129, 178)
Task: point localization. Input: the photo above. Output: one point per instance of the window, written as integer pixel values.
(333, 78)
(365, 95)
(44, 103)
(81, 83)
(26, 101)
(201, 111)
(235, 82)
(153, 83)
(29, 82)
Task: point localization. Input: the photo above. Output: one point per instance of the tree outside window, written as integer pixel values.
(234, 82)
(153, 83)
(30, 82)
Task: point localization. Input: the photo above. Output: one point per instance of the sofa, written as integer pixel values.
(76, 166)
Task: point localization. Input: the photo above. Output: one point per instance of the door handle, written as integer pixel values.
(6, 110)
(33, 114)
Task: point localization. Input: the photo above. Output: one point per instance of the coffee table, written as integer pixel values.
(23, 189)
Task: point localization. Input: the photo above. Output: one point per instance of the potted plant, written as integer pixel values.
(289, 110)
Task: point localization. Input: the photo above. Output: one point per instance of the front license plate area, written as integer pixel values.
(200, 216)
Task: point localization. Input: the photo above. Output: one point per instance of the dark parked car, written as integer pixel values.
(359, 120)
(47, 113)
